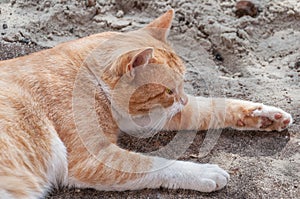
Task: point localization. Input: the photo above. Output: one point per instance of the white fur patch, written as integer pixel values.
(189, 175)
(5, 195)
(57, 172)
(155, 121)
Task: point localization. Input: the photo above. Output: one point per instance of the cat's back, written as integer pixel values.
(42, 76)
(52, 66)
(75, 50)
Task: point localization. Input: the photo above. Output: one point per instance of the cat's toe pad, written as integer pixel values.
(272, 118)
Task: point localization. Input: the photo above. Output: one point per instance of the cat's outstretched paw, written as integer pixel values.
(265, 118)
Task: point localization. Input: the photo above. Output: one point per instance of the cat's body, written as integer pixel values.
(48, 139)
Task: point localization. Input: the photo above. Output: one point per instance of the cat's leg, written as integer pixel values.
(32, 158)
(19, 184)
(117, 169)
(202, 113)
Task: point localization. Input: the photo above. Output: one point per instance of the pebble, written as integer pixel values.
(219, 57)
(120, 24)
(90, 3)
(47, 4)
(270, 60)
(4, 26)
(25, 41)
(238, 74)
(246, 8)
(7, 39)
(120, 14)
(290, 12)
(297, 64)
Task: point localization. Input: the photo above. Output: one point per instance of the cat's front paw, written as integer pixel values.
(265, 118)
(212, 178)
(200, 177)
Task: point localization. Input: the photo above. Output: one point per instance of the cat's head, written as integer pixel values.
(142, 70)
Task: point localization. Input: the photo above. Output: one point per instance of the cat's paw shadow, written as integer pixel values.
(252, 143)
(145, 145)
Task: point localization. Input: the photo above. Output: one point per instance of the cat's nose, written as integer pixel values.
(183, 99)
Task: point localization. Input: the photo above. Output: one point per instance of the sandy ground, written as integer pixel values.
(251, 58)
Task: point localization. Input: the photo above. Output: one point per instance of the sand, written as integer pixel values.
(250, 58)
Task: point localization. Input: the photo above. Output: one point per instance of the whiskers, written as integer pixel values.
(147, 132)
(156, 127)
(174, 109)
(164, 119)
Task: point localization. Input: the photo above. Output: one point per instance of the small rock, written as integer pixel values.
(238, 74)
(297, 64)
(25, 41)
(4, 26)
(90, 3)
(246, 8)
(47, 4)
(50, 37)
(219, 57)
(194, 156)
(119, 24)
(205, 93)
(120, 14)
(290, 12)
(12, 2)
(8, 39)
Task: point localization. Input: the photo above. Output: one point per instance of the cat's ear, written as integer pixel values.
(160, 27)
(139, 58)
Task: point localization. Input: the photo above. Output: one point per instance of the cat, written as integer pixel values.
(61, 110)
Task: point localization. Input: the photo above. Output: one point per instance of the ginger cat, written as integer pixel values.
(61, 110)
